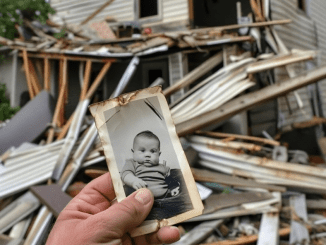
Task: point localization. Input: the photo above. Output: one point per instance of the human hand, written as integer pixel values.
(92, 217)
(138, 183)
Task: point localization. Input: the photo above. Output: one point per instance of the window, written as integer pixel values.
(147, 11)
(148, 8)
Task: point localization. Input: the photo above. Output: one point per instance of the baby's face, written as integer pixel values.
(146, 151)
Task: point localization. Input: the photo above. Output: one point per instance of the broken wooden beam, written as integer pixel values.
(214, 177)
(250, 100)
(195, 74)
(96, 12)
(28, 77)
(280, 60)
(238, 136)
(47, 72)
(248, 239)
(60, 102)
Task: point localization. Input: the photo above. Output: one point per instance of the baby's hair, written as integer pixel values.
(148, 134)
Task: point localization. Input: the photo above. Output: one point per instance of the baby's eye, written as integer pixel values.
(142, 150)
(153, 151)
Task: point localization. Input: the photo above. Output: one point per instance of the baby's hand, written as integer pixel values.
(138, 184)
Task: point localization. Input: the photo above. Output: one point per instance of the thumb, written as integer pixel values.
(127, 214)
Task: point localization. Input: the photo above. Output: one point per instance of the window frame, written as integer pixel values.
(149, 19)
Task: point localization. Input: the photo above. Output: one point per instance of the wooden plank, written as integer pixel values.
(34, 79)
(96, 12)
(248, 239)
(195, 74)
(228, 143)
(199, 233)
(47, 71)
(280, 60)
(249, 100)
(28, 77)
(299, 233)
(268, 231)
(87, 74)
(59, 104)
(231, 212)
(238, 136)
(151, 43)
(55, 56)
(231, 27)
(86, 95)
(316, 204)
(214, 177)
(218, 201)
(62, 86)
(98, 80)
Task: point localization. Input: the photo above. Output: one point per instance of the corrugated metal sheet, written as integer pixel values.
(316, 10)
(300, 34)
(74, 12)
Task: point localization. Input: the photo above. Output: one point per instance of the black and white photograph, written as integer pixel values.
(143, 151)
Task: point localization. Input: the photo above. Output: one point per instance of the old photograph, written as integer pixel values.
(143, 151)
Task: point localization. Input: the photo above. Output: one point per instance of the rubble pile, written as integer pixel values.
(255, 190)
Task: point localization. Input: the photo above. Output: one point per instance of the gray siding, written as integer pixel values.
(300, 34)
(316, 10)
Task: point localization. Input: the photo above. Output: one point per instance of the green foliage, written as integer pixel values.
(6, 111)
(10, 14)
(61, 34)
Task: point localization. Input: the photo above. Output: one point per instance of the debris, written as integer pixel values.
(240, 176)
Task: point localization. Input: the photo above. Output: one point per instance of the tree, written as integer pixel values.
(13, 11)
(6, 111)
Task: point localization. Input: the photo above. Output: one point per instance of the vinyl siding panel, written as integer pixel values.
(300, 34)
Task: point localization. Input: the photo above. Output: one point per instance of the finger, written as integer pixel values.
(166, 235)
(95, 197)
(143, 185)
(123, 216)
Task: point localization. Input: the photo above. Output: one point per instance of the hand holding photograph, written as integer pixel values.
(142, 150)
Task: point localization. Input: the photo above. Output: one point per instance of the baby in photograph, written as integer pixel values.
(144, 169)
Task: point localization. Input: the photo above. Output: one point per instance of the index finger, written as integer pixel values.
(98, 193)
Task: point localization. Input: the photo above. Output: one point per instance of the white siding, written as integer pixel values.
(175, 10)
(75, 11)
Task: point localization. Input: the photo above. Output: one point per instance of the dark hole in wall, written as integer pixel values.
(148, 8)
(218, 12)
(301, 4)
(154, 74)
(302, 139)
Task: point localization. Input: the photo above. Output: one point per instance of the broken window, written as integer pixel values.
(302, 5)
(148, 8)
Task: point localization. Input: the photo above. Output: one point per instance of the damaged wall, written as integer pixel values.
(316, 11)
(74, 12)
(300, 34)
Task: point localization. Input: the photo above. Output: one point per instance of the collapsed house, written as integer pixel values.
(260, 71)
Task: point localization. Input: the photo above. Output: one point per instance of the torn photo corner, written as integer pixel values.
(142, 149)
